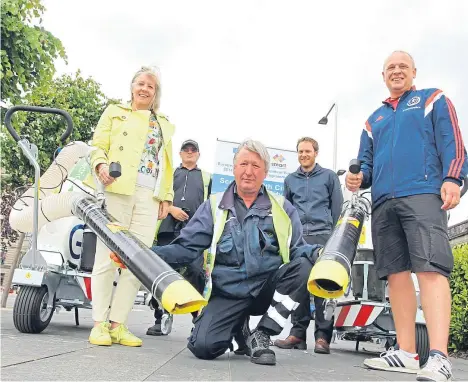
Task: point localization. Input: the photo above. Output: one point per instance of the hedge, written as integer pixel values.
(458, 339)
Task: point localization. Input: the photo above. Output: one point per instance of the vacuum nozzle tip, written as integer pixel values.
(328, 279)
(180, 297)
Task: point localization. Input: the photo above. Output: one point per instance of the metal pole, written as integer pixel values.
(30, 151)
(335, 139)
(14, 265)
(37, 176)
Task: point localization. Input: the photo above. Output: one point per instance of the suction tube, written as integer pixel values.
(52, 206)
(175, 294)
(330, 276)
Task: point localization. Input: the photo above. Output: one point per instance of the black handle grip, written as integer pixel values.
(37, 109)
(115, 170)
(355, 166)
(465, 186)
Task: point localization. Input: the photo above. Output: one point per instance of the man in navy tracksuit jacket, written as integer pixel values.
(414, 159)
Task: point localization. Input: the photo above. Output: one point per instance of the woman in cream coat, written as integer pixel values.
(139, 138)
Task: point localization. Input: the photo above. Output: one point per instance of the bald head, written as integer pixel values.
(399, 52)
(398, 73)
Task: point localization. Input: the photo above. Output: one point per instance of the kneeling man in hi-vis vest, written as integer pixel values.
(257, 262)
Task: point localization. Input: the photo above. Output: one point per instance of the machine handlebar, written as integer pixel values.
(37, 109)
(355, 166)
(115, 169)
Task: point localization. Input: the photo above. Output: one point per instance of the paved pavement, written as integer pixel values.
(62, 352)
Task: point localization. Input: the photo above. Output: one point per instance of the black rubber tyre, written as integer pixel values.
(30, 314)
(422, 343)
(391, 342)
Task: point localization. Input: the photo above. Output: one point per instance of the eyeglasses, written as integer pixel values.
(190, 150)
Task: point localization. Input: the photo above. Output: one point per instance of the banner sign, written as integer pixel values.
(282, 163)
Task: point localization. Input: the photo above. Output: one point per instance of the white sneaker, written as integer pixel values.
(394, 360)
(437, 368)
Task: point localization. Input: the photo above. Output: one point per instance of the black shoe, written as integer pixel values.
(155, 330)
(241, 350)
(241, 338)
(260, 352)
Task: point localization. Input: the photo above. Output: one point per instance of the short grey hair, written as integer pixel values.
(152, 71)
(257, 148)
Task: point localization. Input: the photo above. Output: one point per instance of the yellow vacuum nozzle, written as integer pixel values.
(328, 279)
(180, 297)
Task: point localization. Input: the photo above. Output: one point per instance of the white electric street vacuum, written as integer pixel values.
(66, 218)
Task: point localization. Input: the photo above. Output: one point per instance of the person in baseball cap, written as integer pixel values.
(189, 142)
(192, 186)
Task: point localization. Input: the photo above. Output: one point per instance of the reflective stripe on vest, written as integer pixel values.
(281, 223)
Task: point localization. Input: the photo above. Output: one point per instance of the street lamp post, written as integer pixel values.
(324, 121)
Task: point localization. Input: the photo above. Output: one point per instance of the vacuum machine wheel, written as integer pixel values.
(422, 343)
(30, 312)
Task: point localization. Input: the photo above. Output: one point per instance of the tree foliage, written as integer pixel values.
(28, 54)
(80, 97)
(458, 339)
(8, 235)
(28, 50)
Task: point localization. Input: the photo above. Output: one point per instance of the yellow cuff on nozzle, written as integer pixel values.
(328, 279)
(180, 297)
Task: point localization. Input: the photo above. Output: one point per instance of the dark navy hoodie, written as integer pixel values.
(317, 197)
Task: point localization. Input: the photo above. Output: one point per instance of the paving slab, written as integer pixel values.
(186, 367)
(62, 352)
